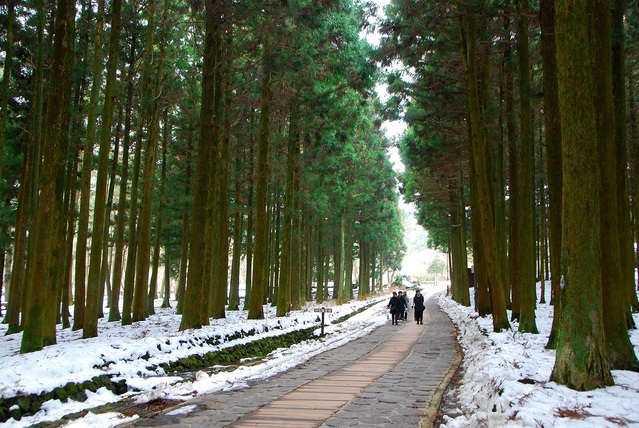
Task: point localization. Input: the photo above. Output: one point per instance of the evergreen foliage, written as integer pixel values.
(479, 85)
(149, 141)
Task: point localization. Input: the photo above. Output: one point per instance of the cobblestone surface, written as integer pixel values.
(402, 397)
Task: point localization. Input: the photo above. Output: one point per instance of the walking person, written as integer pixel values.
(394, 305)
(402, 306)
(405, 297)
(418, 305)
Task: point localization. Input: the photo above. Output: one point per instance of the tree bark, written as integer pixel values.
(259, 282)
(485, 207)
(192, 315)
(186, 234)
(6, 77)
(527, 323)
(151, 116)
(41, 288)
(621, 143)
(581, 361)
(116, 282)
(614, 207)
(90, 327)
(552, 127)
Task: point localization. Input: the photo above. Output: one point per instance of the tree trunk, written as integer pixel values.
(150, 309)
(284, 293)
(621, 143)
(527, 323)
(116, 282)
(40, 286)
(502, 145)
(34, 155)
(458, 242)
(296, 234)
(259, 282)
(167, 282)
(482, 165)
(151, 117)
(581, 361)
(6, 76)
(249, 226)
(552, 126)
(87, 168)
(348, 259)
(186, 232)
(194, 294)
(515, 250)
(90, 327)
(104, 275)
(18, 269)
(616, 269)
(220, 279)
(319, 293)
(634, 150)
(234, 290)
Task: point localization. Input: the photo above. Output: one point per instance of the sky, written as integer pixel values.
(491, 391)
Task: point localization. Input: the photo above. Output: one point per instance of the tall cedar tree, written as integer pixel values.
(484, 206)
(620, 353)
(192, 313)
(260, 261)
(581, 360)
(6, 77)
(94, 284)
(621, 149)
(41, 288)
(153, 110)
(552, 128)
(526, 161)
(116, 282)
(87, 169)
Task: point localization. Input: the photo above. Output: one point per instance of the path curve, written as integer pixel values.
(394, 376)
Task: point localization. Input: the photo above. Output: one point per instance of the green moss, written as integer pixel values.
(71, 388)
(31, 404)
(61, 394)
(15, 414)
(233, 355)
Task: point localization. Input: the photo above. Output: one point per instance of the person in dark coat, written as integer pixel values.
(404, 296)
(403, 305)
(394, 305)
(418, 305)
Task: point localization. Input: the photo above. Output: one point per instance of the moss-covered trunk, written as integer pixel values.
(526, 163)
(581, 361)
(41, 287)
(260, 262)
(484, 207)
(194, 296)
(552, 127)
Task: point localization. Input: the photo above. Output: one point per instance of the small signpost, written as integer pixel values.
(323, 311)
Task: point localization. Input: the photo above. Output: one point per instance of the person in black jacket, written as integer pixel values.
(418, 305)
(404, 296)
(395, 304)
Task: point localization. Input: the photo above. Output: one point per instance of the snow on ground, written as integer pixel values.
(128, 352)
(505, 381)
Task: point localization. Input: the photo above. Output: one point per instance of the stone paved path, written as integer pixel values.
(392, 377)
